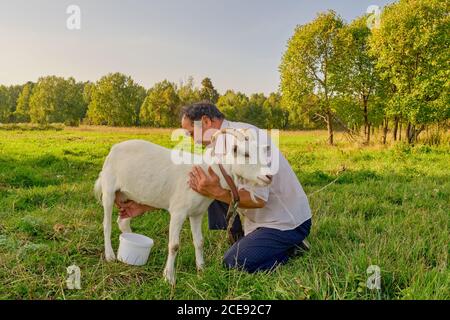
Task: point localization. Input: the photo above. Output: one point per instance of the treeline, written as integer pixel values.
(381, 72)
(117, 100)
(390, 75)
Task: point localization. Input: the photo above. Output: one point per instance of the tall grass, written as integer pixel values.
(388, 208)
(31, 126)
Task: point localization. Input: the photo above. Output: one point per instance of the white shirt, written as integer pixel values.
(287, 206)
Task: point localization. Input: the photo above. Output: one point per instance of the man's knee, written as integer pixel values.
(234, 260)
(229, 259)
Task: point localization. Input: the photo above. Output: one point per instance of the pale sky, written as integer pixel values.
(237, 43)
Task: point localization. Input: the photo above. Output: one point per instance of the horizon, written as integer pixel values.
(239, 48)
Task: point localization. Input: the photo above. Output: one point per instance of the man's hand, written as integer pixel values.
(130, 209)
(207, 185)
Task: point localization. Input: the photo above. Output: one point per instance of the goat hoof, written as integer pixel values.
(169, 276)
(110, 256)
(200, 268)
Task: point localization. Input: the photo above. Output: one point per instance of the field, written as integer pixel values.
(390, 208)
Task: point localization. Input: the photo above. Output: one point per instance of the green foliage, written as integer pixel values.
(310, 67)
(208, 92)
(412, 47)
(22, 113)
(55, 99)
(276, 115)
(359, 80)
(8, 99)
(232, 104)
(115, 101)
(357, 69)
(4, 109)
(161, 107)
(349, 111)
(255, 112)
(188, 93)
(88, 91)
(259, 110)
(399, 70)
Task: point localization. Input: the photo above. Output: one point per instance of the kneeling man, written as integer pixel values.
(274, 227)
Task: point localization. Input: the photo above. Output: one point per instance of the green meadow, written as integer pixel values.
(389, 207)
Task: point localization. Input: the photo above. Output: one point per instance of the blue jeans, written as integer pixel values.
(262, 249)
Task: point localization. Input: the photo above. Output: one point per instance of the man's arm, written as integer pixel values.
(245, 202)
(209, 186)
(130, 209)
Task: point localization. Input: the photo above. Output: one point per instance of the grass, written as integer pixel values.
(390, 208)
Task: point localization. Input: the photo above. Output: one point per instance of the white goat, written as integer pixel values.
(145, 173)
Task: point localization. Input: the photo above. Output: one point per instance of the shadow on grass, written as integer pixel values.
(45, 170)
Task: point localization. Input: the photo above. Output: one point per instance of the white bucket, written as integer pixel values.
(134, 248)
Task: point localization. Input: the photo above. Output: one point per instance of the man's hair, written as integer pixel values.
(197, 110)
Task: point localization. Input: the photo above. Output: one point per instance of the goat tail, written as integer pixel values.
(98, 188)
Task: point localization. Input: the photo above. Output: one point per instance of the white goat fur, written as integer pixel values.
(144, 172)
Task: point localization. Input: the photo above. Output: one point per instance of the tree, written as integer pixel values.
(22, 113)
(4, 107)
(115, 101)
(412, 47)
(358, 75)
(208, 92)
(276, 115)
(161, 106)
(14, 93)
(233, 105)
(88, 92)
(187, 92)
(309, 66)
(255, 113)
(55, 99)
(8, 102)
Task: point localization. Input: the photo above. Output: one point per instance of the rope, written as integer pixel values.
(329, 184)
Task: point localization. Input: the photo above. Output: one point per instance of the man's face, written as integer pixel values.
(201, 131)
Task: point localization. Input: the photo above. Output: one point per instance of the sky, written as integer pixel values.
(237, 43)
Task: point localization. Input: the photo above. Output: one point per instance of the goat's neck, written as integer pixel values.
(216, 169)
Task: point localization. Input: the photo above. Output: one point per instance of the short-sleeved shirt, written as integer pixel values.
(287, 206)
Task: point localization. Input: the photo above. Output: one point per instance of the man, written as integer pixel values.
(274, 227)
